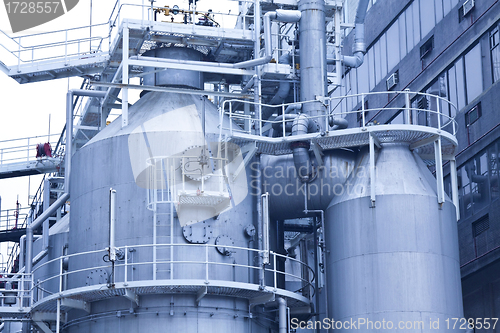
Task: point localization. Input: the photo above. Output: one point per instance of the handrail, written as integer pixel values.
(440, 121)
(120, 268)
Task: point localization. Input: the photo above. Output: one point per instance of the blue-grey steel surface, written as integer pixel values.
(399, 261)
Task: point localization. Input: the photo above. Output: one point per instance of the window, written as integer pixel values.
(481, 225)
(473, 115)
(427, 16)
(495, 53)
(393, 46)
(473, 73)
(480, 237)
(478, 181)
(427, 47)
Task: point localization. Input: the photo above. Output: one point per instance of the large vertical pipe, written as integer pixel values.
(112, 224)
(69, 139)
(46, 205)
(282, 315)
(312, 56)
(260, 221)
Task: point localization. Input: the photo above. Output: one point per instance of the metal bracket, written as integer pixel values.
(376, 140)
(75, 304)
(132, 296)
(424, 142)
(251, 153)
(200, 294)
(269, 297)
(44, 316)
(43, 327)
(321, 99)
(318, 152)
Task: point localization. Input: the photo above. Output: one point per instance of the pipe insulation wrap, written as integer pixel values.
(358, 47)
(301, 157)
(281, 94)
(288, 16)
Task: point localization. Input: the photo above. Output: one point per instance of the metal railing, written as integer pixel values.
(15, 290)
(86, 41)
(164, 187)
(24, 149)
(341, 107)
(125, 271)
(13, 218)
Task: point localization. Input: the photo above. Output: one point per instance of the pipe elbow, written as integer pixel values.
(355, 60)
(281, 301)
(338, 123)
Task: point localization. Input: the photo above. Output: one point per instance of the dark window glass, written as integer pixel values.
(495, 54)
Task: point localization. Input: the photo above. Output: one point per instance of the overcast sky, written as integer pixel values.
(25, 108)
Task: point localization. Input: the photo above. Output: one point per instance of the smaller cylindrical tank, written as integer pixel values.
(398, 262)
(174, 77)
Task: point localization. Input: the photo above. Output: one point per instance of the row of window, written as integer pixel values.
(461, 83)
(478, 181)
(401, 37)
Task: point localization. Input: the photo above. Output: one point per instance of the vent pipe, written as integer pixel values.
(359, 47)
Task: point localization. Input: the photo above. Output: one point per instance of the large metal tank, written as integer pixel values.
(397, 262)
(126, 159)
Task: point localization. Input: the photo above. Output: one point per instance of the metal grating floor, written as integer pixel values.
(168, 287)
(421, 137)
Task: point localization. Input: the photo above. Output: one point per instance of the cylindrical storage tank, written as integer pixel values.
(398, 263)
(174, 77)
(160, 125)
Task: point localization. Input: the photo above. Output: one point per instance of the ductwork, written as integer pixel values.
(312, 126)
(300, 149)
(282, 92)
(359, 48)
(337, 123)
(281, 15)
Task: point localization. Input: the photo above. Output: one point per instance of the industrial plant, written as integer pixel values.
(289, 166)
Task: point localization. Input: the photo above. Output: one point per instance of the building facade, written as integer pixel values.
(448, 48)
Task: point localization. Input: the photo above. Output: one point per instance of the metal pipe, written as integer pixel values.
(283, 90)
(338, 123)
(69, 128)
(22, 241)
(35, 224)
(312, 41)
(112, 224)
(359, 47)
(281, 15)
(282, 315)
(260, 222)
(249, 84)
(301, 157)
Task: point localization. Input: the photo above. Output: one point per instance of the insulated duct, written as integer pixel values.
(359, 47)
(301, 157)
(282, 92)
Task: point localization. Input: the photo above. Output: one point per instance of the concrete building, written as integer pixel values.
(449, 48)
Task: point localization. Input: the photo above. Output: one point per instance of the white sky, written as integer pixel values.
(25, 108)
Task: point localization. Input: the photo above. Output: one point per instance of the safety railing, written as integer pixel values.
(15, 290)
(67, 272)
(437, 114)
(13, 218)
(24, 149)
(60, 44)
(85, 41)
(164, 183)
